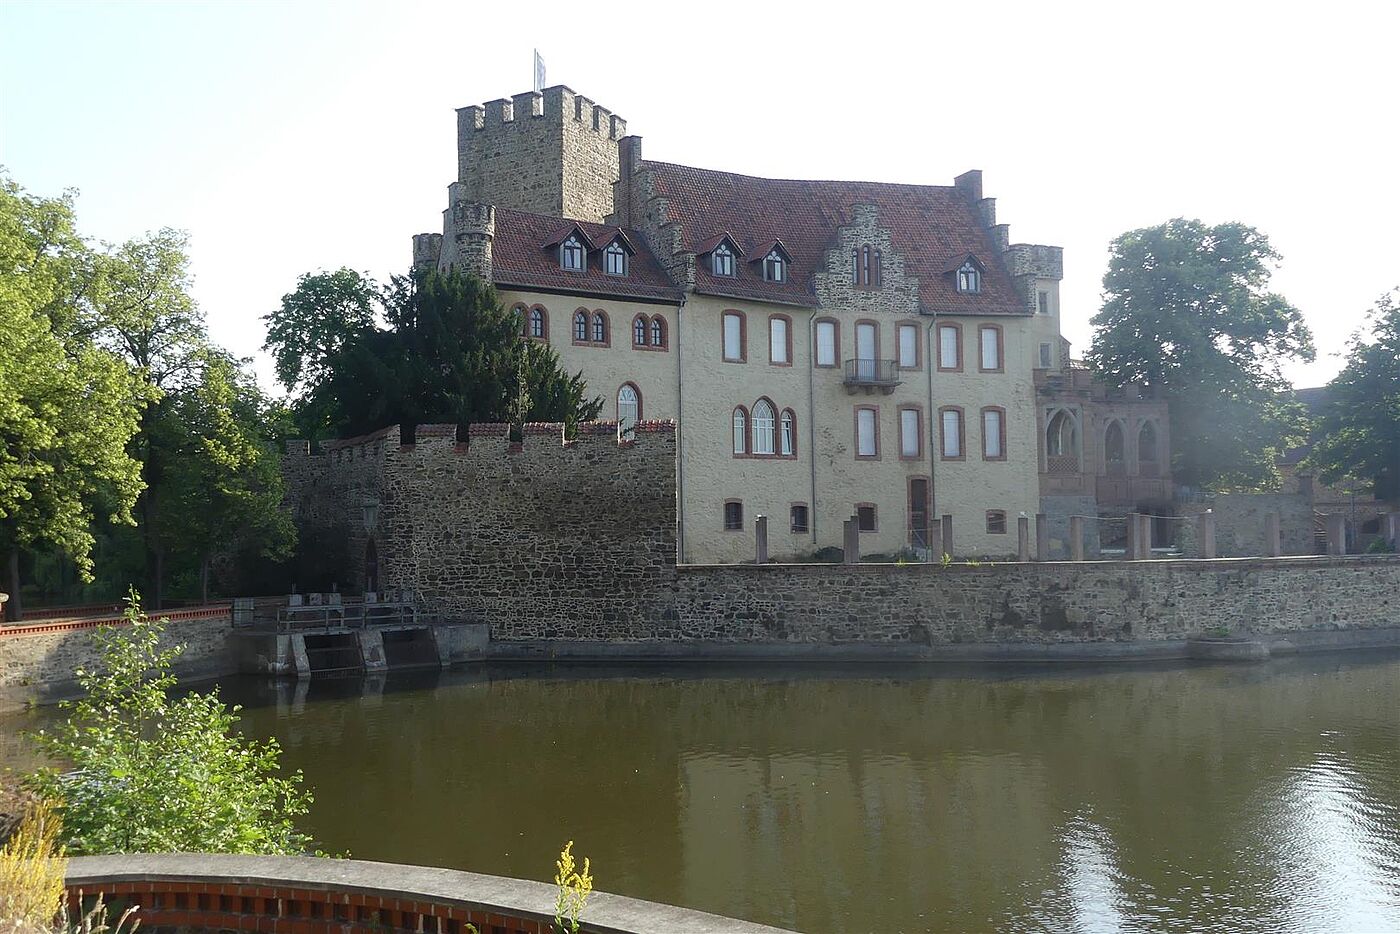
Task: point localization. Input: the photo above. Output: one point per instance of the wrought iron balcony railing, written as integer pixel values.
(871, 374)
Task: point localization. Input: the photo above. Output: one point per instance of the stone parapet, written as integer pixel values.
(308, 895)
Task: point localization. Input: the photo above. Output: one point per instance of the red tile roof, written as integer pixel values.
(930, 226)
(524, 255)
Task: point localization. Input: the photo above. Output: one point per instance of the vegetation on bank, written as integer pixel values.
(149, 772)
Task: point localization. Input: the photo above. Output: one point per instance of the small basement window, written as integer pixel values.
(996, 521)
(799, 517)
(733, 517)
(865, 517)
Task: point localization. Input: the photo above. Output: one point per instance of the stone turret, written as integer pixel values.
(550, 152)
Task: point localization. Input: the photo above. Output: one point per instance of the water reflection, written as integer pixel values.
(1199, 798)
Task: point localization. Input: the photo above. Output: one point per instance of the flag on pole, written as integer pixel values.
(539, 72)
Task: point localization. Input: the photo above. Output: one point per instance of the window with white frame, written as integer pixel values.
(778, 341)
(774, 267)
(908, 344)
(741, 431)
(949, 349)
(639, 331)
(764, 424)
(867, 443)
(952, 433)
(537, 323)
(909, 433)
(629, 407)
(615, 259)
(658, 332)
(722, 260)
(600, 328)
(733, 336)
(969, 277)
(571, 255)
(993, 434)
(989, 338)
(580, 326)
(787, 430)
(826, 343)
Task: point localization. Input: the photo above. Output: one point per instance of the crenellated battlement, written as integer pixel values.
(547, 152)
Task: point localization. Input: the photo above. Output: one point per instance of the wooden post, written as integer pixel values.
(935, 542)
(1205, 531)
(1042, 537)
(1336, 534)
(1273, 539)
(850, 531)
(1076, 538)
(1144, 536)
(760, 540)
(1023, 539)
(947, 534)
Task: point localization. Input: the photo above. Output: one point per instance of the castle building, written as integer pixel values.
(828, 349)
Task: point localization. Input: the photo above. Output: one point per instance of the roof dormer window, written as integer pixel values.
(722, 261)
(571, 254)
(969, 277)
(775, 266)
(615, 259)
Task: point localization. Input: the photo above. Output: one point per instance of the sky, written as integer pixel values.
(289, 137)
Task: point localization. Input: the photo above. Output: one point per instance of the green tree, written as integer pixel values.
(1358, 436)
(68, 407)
(315, 321)
(145, 313)
(1188, 313)
(452, 353)
(225, 479)
(149, 773)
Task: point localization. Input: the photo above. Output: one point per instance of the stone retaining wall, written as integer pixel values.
(37, 663)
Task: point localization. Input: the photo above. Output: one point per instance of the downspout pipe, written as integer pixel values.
(812, 424)
(680, 439)
(932, 363)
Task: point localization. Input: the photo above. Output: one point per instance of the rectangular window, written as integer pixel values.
(867, 442)
(826, 343)
(733, 337)
(1045, 358)
(778, 341)
(910, 442)
(996, 522)
(733, 517)
(799, 517)
(949, 349)
(908, 346)
(1043, 302)
(952, 433)
(865, 517)
(993, 427)
(991, 347)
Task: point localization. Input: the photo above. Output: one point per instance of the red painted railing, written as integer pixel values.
(115, 619)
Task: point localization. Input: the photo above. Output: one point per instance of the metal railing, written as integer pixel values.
(312, 612)
(879, 373)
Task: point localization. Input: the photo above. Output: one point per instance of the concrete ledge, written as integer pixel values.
(335, 883)
(1331, 640)
(1229, 650)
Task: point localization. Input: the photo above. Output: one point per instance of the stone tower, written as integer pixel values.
(550, 152)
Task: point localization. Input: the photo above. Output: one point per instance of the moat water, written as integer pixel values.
(1192, 798)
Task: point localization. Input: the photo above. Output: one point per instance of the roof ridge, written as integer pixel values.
(802, 181)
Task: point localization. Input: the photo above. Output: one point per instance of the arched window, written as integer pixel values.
(876, 275)
(580, 326)
(775, 267)
(658, 331)
(1147, 443)
(787, 434)
(722, 260)
(865, 265)
(741, 431)
(1062, 435)
(1147, 450)
(763, 426)
(629, 408)
(639, 331)
(615, 260)
(1113, 447)
(571, 254)
(539, 324)
(969, 277)
(600, 328)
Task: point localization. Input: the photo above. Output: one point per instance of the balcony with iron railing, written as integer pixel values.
(871, 375)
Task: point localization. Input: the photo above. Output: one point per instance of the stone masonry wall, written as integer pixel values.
(1239, 523)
